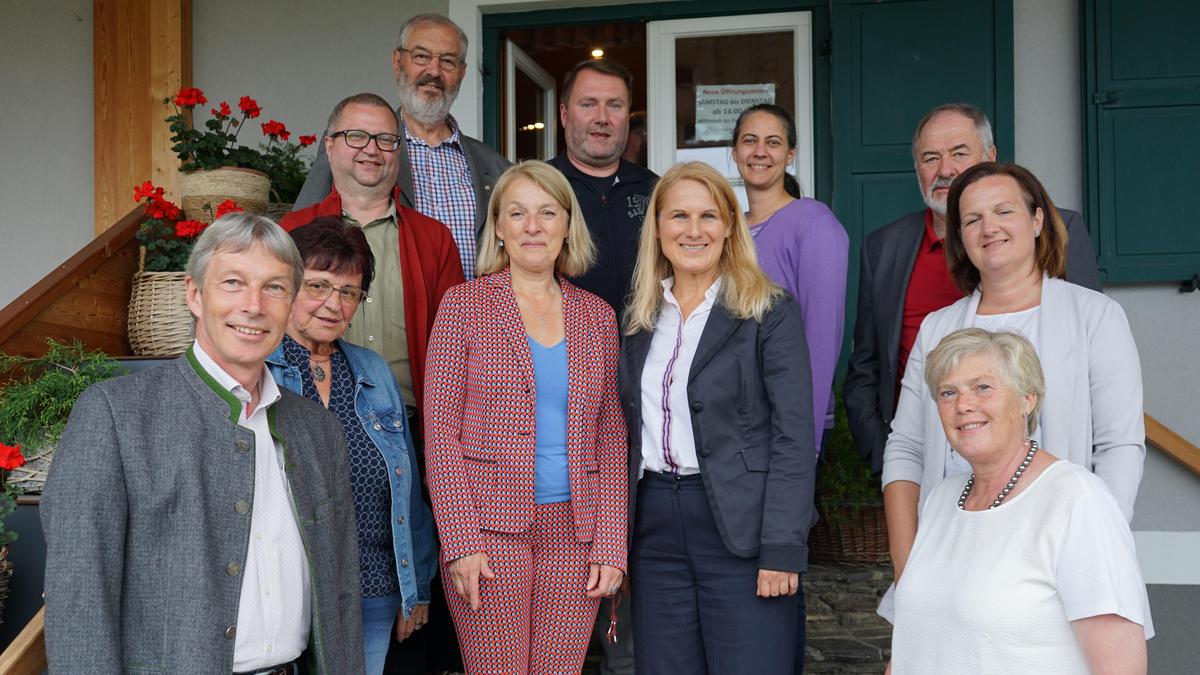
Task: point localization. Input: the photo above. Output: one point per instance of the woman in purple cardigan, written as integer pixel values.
(802, 247)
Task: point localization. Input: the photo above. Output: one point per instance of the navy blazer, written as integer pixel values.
(888, 256)
(749, 390)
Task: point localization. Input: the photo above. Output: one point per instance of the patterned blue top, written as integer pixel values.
(444, 189)
(551, 482)
(368, 473)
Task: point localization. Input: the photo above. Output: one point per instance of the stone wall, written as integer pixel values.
(845, 635)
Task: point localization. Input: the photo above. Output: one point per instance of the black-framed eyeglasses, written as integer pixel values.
(359, 139)
(321, 290)
(423, 58)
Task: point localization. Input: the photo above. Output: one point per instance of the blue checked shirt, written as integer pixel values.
(444, 191)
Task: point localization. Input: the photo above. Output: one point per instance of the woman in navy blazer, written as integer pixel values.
(716, 391)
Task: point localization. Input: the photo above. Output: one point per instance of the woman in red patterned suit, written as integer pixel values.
(525, 440)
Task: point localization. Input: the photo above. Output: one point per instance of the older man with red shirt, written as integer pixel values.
(903, 274)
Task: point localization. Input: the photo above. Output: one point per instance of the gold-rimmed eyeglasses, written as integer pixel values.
(321, 290)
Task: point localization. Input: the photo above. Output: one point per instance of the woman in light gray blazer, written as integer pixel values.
(1006, 248)
(716, 391)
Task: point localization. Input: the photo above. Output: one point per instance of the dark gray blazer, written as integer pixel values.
(486, 167)
(749, 390)
(144, 513)
(888, 256)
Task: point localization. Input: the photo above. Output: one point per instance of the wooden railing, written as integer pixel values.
(86, 298)
(27, 653)
(1175, 446)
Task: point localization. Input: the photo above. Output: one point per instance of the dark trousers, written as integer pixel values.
(695, 609)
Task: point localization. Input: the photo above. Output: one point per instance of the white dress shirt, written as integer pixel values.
(274, 608)
(668, 445)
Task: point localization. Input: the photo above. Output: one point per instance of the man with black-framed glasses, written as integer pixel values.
(443, 173)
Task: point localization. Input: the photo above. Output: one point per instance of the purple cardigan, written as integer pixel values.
(804, 248)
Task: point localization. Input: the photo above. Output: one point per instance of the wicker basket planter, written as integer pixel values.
(6, 570)
(850, 533)
(202, 191)
(160, 323)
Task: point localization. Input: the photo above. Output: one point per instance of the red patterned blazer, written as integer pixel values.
(480, 421)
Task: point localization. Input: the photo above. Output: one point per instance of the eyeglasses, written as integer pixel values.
(359, 139)
(424, 58)
(321, 290)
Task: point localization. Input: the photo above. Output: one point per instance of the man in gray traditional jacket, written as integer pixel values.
(198, 518)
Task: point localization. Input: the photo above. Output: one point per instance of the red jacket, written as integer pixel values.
(429, 266)
(480, 423)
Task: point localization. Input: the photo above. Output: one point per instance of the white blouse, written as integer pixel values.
(995, 591)
(668, 444)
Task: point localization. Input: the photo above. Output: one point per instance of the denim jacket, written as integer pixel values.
(381, 411)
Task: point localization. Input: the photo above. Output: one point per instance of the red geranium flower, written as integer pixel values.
(10, 457)
(190, 97)
(146, 191)
(249, 106)
(223, 111)
(306, 141)
(186, 229)
(274, 128)
(228, 206)
(162, 209)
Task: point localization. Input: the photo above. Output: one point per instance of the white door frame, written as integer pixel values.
(660, 79)
(517, 59)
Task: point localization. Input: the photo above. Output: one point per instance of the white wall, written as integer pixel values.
(45, 136)
(297, 59)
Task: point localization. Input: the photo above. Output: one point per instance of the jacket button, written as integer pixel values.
(232, 569)
(230, 632)
(242, 506)
(399, 471)
(697, 405)
(397, 423)
(401, 519)
(377, 426)
(242, 446)
(705, 452)
(404, 563)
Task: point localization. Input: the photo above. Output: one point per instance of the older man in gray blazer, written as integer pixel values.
(444, 173)
(198, 518)
(903, 275)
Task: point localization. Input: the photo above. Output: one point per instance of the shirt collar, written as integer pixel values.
(710, 296)
(389, 217)
(268, 390)
(931, 242)
(454, 139)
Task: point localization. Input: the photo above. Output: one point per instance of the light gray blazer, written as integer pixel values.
(142, 522)
(1092, 412)
(485, 163)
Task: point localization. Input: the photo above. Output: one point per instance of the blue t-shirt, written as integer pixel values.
(551, 483)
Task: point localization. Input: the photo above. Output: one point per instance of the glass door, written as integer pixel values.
(702, 73)
(530, 106)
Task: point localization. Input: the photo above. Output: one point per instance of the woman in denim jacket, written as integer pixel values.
(397, 551)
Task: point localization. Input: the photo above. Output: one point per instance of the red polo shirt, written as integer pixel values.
(930, 288)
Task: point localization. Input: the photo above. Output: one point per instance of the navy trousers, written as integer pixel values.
(695, 609)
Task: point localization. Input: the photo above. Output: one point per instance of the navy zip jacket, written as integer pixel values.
(615, 220)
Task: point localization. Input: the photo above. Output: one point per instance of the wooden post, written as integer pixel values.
(142, 53)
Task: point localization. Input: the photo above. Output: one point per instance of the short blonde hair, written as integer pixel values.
(578, 252)
(1014, 356)
(746, 291)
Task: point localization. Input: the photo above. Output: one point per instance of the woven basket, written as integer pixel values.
(202, 191)
(6, 570)
(159, 321)
(30, 477)
(277, 210)
(850, 533)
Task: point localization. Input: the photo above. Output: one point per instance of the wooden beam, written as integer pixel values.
(1177, 447)
(26, 654)
(141, 54)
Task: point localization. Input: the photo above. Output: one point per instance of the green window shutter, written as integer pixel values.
(892, 62)
(1142, 136)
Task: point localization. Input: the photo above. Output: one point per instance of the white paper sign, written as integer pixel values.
(718, 107)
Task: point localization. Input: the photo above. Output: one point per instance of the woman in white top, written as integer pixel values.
(1006, 248)
(1026, 564)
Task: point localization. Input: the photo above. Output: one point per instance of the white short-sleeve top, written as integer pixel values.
(995, 591)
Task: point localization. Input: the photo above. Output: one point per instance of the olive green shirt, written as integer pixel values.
(379, 323)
